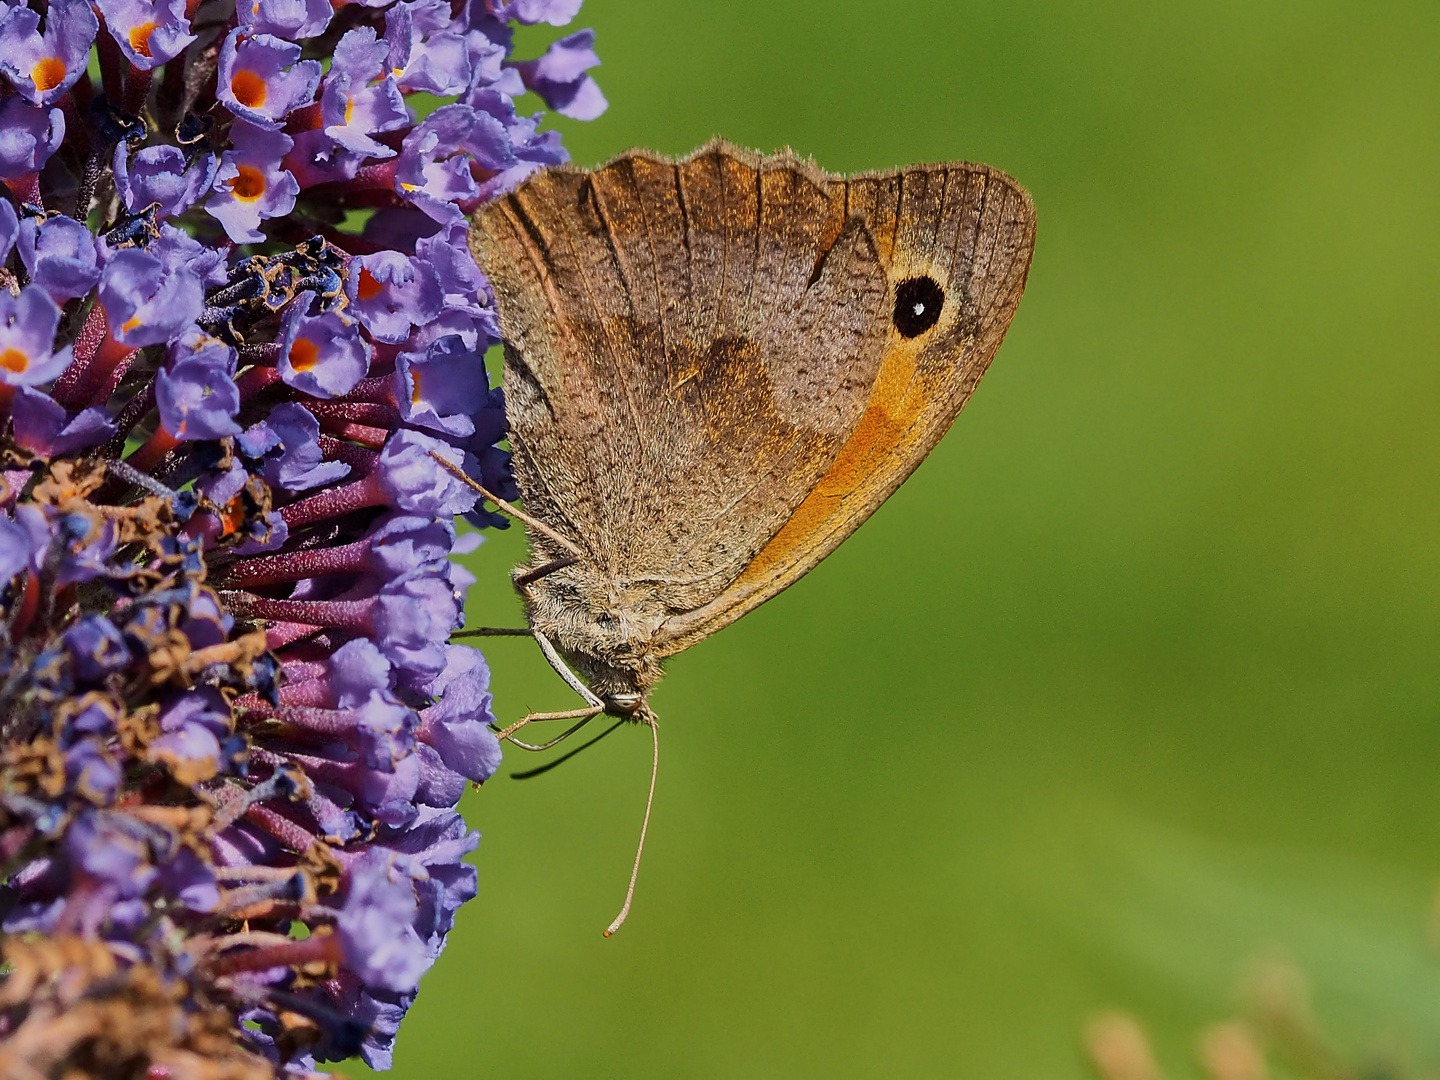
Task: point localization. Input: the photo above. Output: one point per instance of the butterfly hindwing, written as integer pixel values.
(957, 236)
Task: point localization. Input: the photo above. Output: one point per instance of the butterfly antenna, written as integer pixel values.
(514, 511)
(648, 718)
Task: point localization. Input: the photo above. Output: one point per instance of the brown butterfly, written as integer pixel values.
(716, 368)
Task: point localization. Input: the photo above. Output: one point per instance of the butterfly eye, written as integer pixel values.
(918, 302)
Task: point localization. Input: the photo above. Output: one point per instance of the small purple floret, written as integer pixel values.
(59, 254)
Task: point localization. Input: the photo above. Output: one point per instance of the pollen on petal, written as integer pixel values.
(249, 89)
(415, 387)
(248, 183)
(48, 73)
(349, 109)
(304, 354)
(140, 37)
(14, 360)
(368, 287)
(131, 323)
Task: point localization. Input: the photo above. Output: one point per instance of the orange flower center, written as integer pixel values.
(248, 88)
(232, 515)
(414, 387)
(48, 73)
(140, 37)
(248, 183)
(130, 324)
(368, 287)
(304, 354)
(14, 360)
(349, 108)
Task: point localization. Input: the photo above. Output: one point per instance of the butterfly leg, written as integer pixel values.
(571, 679)
(545, 568)
(584, 715)
(593, 705)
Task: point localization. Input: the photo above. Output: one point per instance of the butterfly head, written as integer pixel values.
(604, 629)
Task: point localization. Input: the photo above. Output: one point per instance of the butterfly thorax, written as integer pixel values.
(604, 629)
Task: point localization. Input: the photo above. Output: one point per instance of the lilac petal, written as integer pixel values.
(96, 648)
(190, 881)
(288, 19)
(28, 136)
(559, 77)
(407, 544)
(196, 392)
(380, 943)
(439, 786)
(413, 620)
(321, 355)
(146, 302)
(14, 549)
(250, 185)
(59, 254)
(262, 77)
(149, 32)
(9, 229)
(390, 292)
(191, 752)
(108, 848)
(356, 670)
(554, 12)
(433, 170)
(43, 426)
(351, 108)
(27, 330)
(457, 726)
(440, 389)
(300, 465)
(159, 174)
(416, 483)
(43, 67)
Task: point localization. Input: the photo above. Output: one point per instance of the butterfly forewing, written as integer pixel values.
(717, 368)
(685, 357)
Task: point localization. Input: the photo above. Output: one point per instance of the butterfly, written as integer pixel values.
(716, 368)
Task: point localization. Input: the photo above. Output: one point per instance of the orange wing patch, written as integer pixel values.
(895, 403)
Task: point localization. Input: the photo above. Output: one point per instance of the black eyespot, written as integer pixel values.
(918, 303)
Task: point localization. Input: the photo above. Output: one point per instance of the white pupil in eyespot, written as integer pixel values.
(919, 309)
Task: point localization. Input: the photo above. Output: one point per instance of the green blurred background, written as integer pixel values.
(1135, 679)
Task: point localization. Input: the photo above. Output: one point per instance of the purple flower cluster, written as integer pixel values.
(239, 325)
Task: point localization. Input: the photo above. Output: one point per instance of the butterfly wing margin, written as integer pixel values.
(972, 230)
